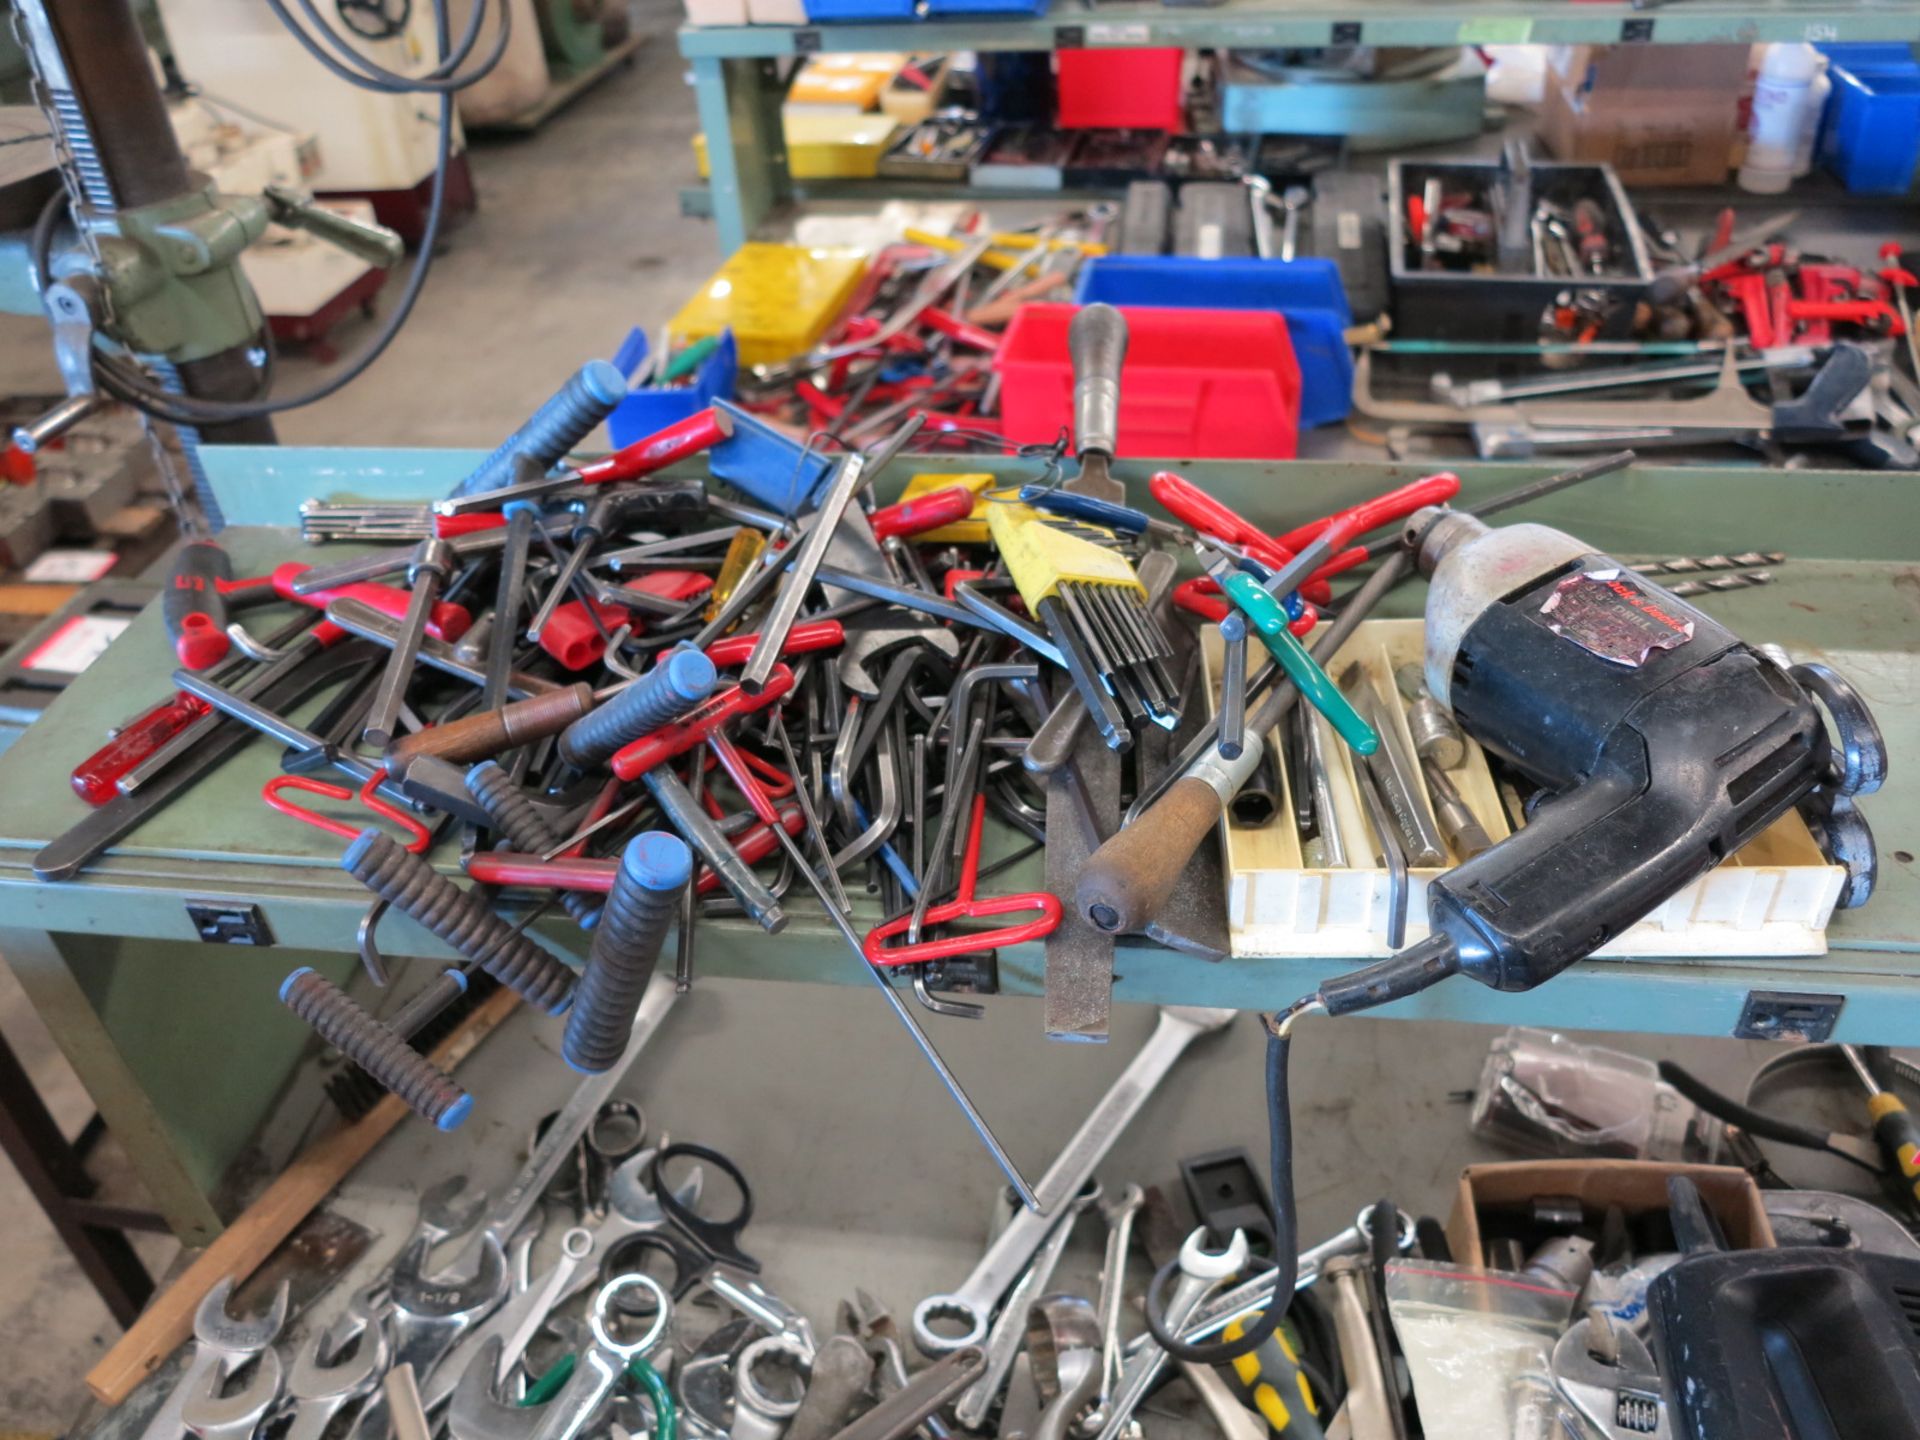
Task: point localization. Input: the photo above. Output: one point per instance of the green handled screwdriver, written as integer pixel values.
(1265, 614)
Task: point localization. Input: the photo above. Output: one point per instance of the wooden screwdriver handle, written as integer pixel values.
(476, 737)
(1126, 881)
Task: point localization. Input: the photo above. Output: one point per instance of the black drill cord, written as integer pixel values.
(1286, 1240)
(1754, 1122)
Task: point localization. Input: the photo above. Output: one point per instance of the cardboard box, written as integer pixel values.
(1659, 114)
(1637, 1186)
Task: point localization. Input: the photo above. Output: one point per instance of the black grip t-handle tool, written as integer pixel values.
(1815, 415)
(1097, 340)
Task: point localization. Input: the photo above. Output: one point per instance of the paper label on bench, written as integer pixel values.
(77, 644)
(1610, 614)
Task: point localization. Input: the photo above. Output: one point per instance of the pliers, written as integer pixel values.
(1269, 620)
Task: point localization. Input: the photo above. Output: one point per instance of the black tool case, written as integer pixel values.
(1459, 305)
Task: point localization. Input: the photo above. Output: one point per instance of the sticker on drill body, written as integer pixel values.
(1611, 614)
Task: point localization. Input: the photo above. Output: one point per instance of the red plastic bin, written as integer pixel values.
(1198, 384)
(1120, 89)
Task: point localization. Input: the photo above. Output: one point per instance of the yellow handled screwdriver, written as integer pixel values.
(1893, 1124)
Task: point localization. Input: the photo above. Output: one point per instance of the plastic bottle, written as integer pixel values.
(1782, 97)
(1817, 94)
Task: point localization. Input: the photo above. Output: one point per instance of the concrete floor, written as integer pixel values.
(863, 1172)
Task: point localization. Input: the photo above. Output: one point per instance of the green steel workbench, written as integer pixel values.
(184, 1047)
(738, 81)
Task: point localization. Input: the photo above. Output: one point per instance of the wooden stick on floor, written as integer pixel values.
(292, 1196)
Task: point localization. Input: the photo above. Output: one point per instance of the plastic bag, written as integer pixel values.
(1479, 1347)
(1545, 1094)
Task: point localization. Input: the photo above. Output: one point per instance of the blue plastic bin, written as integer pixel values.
(1308, 292)
(1871, 139)
(652, 408)
(857, 11)
(987, 7)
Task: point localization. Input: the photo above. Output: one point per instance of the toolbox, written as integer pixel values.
(942, 150)
(647, 409)
(1214, 383)
(1491, 1196)
(1773, 897)
(1307, 291)
(1126, 88)
(777, 299)
(1871, 134)
(1459, 305)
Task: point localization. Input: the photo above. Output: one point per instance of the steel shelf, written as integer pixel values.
(144, 1010)
(738, 81)
(1259, 23)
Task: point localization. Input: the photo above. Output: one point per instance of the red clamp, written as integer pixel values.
(964, 907)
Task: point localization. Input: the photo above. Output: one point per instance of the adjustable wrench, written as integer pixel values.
(221, 1345)
(973, 1304)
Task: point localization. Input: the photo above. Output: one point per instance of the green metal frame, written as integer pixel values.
(184, 1047)
(738, 88)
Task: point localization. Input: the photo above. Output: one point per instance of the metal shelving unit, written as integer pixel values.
(738, 83)
(145, 1010)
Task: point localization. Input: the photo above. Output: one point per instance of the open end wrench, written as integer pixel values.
(214, 1416)
(1201, 1270)
(320, 1384)
(971, 1307)
(1120, 1216)
(430, 1316)
(221, 1343)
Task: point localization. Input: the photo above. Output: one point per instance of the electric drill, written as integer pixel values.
(1661, 743)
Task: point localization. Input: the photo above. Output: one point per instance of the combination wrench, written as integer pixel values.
(971, 1307)
(632, 1209)
(221, 1346)
(1251, 1296)
(1201, 1270)
(321, 1384)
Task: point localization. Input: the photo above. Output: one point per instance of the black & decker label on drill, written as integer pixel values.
(1612, 615)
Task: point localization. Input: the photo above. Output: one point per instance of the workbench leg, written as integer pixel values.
(57, 1176)
(739, 107)
(130, 1113)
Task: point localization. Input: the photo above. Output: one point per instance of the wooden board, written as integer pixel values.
(243, 1245)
